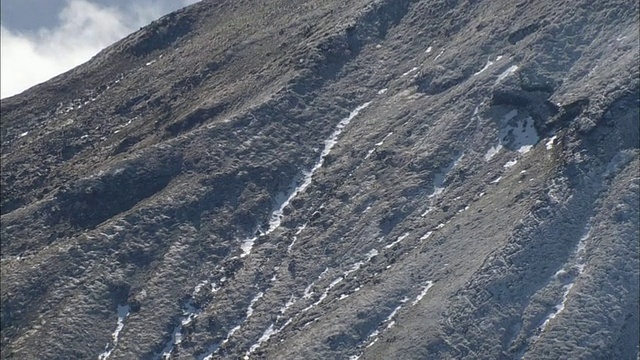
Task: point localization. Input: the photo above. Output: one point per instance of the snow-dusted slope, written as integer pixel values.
(335, 180)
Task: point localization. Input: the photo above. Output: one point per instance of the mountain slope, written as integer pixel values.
(327, 179)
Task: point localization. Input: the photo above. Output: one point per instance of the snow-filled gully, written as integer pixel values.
(123, 313)
(297, 186)
(566, 276)
(389, 321)
(307, 295)
(189, 313)
(213, 349)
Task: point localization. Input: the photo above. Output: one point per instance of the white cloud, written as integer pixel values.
(84, 29)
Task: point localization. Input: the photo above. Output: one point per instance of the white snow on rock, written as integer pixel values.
(326, 291)
(510, 163)
(377, 145)
(308, 290)
(428, 49)
(512, 69)
(329, 143)
(247, 245)
(213, 349)
(409, 72)
(398, 240)
(388, 321)
(252, 303)
(422, 293)
(577, 261)
(295, 237)
(429, 210)
(199, 287)
(382, 91)
(440, 177)
(287, 305)
(299, 185)
(493, 151)
(549, 143)
(123, 313)
(426, 235)
(355, 267)
(189, 313)
(486, 66)
(522, 134)
(263, 339)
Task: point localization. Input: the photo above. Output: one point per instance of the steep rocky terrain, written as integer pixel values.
(326, 179)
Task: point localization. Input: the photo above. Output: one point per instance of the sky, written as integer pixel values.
(44, 38)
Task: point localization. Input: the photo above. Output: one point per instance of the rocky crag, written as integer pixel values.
(327, 179)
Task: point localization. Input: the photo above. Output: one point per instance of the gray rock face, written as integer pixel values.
(332, 180)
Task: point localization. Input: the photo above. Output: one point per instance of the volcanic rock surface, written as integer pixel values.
(326, 179)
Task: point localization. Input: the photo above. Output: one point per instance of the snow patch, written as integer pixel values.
(213, 349)
(287, 305)
(295, 237)
(382, 91)
(549, 143)
(400, 238)
(307, 291)
(429, 210)
(389, 321)
(263, 339)
(422, 293)
(409, 72)
(426, 236)
(247, 245)
(512, 69)
(355, 267)
(252, 303)
(440, 177)
(189, 313)
(510, 163)
(519, 134)
(428, 50)
(326, 291)
(486, 66)
(493, 151)
(123, 313)
(377, 145)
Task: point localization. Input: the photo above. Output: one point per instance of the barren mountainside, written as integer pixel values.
(324, 179)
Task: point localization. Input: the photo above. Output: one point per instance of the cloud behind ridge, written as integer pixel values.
(84, 29)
